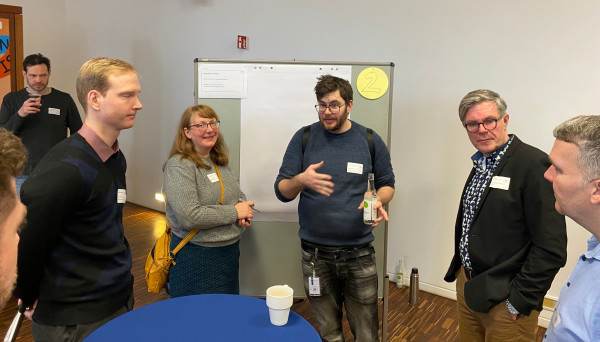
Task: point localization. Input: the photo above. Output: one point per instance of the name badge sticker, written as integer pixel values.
(121, 195)
(499, 182)
(354, 168)
(212, 177)
(54, 111)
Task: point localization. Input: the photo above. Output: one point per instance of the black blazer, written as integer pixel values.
(517, 240)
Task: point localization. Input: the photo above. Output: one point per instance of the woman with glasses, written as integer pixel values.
(202, 193)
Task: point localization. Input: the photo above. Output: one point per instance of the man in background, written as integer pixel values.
(74, 261)
(12, 212)
(509, 240)
(575, 177)
(38, 114)
(329, 170)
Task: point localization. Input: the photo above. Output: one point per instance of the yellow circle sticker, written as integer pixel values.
(372, 83)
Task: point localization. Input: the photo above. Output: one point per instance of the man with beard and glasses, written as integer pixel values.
(12, 212)
(329, 170)
(38, 114)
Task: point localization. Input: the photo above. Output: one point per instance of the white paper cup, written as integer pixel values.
(279, 301)
(279, 317)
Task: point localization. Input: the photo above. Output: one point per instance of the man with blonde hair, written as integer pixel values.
(74, 261)
(12, 212)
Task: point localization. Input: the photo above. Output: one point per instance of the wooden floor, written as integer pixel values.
(433, 320)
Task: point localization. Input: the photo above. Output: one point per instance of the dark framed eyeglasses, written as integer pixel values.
(489, 124)
(203, 126)
(334, 108)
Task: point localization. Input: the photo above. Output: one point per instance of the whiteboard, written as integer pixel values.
(260, 105)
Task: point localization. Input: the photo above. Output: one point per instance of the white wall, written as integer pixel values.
(541, 56)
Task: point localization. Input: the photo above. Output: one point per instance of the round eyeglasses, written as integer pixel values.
(334, 108)
(203, 126)
(489, 124)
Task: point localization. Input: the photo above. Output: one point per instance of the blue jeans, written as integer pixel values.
(352, 283)
(19, 182)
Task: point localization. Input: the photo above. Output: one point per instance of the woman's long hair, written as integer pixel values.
(185, 147)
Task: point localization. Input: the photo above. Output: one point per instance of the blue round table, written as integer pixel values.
(214, 317)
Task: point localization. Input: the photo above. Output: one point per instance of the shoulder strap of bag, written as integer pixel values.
(371, 143)
(220, 183)
(185, 240)
(305, 136)
(195, 231)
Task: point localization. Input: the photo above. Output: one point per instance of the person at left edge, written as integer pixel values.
(74, 264)
(202, 192)
(40, 122)
(12, 212)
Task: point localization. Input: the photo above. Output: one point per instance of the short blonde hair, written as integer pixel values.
(93, 75)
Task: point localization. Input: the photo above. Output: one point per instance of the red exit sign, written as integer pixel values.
(242, 42)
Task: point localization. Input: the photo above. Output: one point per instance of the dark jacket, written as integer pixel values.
(517, 240)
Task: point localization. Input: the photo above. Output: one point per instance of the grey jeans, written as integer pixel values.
(352, 283)
(76, 332)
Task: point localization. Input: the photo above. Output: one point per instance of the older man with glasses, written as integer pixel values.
(509, 240)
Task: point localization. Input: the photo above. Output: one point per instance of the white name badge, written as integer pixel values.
(54, 111)
(500, 182)
(121, 195)
(213, 177)
(354, 168)
(314, 287)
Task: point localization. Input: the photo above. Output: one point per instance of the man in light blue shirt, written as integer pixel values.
(575, 177)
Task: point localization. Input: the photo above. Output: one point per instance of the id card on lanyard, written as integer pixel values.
(314, 285)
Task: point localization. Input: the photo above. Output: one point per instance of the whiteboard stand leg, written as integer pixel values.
(384, 314)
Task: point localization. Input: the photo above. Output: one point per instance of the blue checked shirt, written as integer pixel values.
(484, 168)
(576, 316)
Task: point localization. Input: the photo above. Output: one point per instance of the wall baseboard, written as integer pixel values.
(543, 319)
(154, 205)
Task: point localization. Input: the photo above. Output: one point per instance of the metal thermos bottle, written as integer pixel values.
(414, 286)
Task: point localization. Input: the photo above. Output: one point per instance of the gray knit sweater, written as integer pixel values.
(192, 196)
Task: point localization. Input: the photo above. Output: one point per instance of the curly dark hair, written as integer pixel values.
(328, 84)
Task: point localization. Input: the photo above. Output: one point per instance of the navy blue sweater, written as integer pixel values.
(73, 255)
(335, 220)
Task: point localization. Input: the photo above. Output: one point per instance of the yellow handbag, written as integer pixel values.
(160, 259)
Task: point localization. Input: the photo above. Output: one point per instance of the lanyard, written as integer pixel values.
(220, 183)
